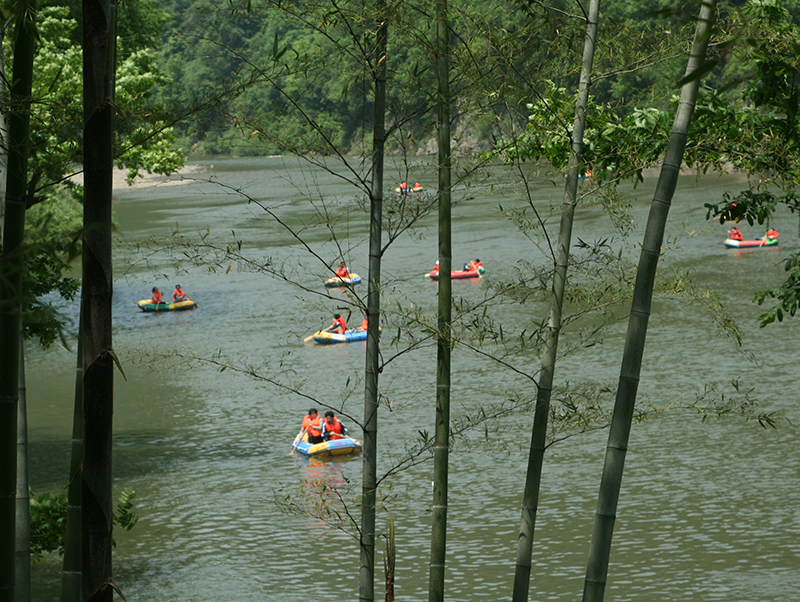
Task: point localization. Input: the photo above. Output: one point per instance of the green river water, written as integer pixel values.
(709, 510)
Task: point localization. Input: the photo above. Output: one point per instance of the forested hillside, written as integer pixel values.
(252, 73)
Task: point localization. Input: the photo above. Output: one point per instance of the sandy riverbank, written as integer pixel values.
(184, 176)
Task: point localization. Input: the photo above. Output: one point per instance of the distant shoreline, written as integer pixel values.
(150, 180)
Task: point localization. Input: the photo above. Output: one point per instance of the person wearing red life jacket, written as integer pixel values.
(474, 266)
(332, 427)
(403, 188)
(338, 323)
(435, 269)
(735, 234)
(312, 424)
(342, 271)
(156, 296)
(178, 295)
(364, 324)
(771, 234)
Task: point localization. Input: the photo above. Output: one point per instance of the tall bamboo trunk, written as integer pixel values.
(441, 455)
(3, 137)
(370, 451)
(23, 577)
(533, 478)
(611, 481)
(96, 294)
(71, 565)
(11, 266)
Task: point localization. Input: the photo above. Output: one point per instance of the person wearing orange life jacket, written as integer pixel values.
(771, 234)
(332, 427)
(312, 424)
(156, 296)
(435, 269)
(342, 271)
(338, 323)
(178, 295)
(364, 325)
(735, 234)
(474, 266)
(403, 188)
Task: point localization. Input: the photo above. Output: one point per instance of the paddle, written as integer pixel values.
(297, 440)
(311, 336)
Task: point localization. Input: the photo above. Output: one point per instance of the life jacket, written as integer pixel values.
(772, 234)
(313, 425)
(156, 297)
(341, 271)
(736, 234)
(334, 431)
(178, 295)
(339, 323)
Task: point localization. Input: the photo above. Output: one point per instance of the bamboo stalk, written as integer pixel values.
(372, 368)
(441, 454)
(533, 477)
(611, 480)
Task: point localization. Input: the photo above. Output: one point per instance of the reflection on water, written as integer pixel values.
(707, 511)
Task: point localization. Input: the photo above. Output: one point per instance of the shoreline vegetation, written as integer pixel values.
(191, 171)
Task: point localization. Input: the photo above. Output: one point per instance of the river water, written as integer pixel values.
(709, 509)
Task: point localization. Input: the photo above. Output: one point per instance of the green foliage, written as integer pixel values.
(48, 524)
(751, 205)
(787, 294)
(49, 520)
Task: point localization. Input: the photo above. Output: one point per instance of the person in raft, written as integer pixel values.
(178, 295)
(312, 424)
(735, 234)
(435, 269)
(473, 266)
(342, 271)
(338, 322)
(771, 234)
(156, 296)
(404, 188)
(364, 325)
(332, 427)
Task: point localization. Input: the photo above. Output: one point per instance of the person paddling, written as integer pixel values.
(342, 271)
(178, 295)
(312, 424)
(156, 296)
(338, 322)
(332, 427)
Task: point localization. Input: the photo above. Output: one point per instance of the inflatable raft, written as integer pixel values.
(414, 188)
(342, 282)
(751, 244)
(327, 449)
(148, 305)
(458, 275)
(350, 336)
